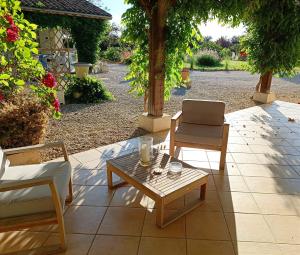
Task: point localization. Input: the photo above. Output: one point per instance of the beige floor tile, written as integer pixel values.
(248, 227)
(211, 204)
(289, 249)
(83, 219)
(197, 247)
(244, 158)
(293, 160)
(286, 229)
(242, 148)
(94, 196)
(176, 229)
(206, 225)
(162, 246)
(275, 204)
(115, 245)
(97, 164)
(238, 202)
(253, 248)
(267, 170)
(87, 156)
(197, 155)
(230, 169)
(99, 177)
(123, 221)
(230, 183)
(266, 159)
(76, 244)
(21, 241)
(214, 156)
(268, 185)
(129, 196)
(81, 177)
(204, 165)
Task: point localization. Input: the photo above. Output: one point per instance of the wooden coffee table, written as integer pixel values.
(163, 188)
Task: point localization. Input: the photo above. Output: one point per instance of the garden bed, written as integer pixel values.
(89, 126)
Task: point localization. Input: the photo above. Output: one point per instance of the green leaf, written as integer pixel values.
(19, 83)
(4, 76)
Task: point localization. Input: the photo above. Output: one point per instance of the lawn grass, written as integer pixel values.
(232, 65)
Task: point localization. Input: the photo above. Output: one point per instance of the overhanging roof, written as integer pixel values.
(80, 8)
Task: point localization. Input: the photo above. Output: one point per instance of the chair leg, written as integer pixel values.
(222, 160)
(224, 146)
(62, 233)
(172, 148)
(70, 197)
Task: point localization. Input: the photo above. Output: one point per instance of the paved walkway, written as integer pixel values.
(251, 208)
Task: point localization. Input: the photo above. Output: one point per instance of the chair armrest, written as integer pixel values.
(38, 147)
(177, 116)
(22, 184)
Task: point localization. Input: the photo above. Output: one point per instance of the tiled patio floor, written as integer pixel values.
(251, 208)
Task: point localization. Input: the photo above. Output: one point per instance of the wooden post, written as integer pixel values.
(157, 12)
(265, 82)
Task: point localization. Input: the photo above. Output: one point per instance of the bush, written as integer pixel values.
(86, 90)
(23, 121)
(207, 60)
(113, 54)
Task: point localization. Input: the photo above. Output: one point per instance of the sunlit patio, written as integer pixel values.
(253, 207)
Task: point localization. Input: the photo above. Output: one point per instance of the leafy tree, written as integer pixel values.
(273, 38)
(223, 42)
(163, 32)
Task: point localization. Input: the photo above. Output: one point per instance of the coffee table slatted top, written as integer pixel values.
(162, 184)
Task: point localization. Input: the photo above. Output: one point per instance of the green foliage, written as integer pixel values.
(273, 38)
(113, 54)
(87, 33)
(86, 90)
(207, 60)
(182, 35)
(225, 53)
(19, 69)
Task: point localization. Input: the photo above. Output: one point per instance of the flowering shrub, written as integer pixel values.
(19, 69)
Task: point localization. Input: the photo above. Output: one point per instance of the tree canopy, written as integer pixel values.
(165, 31)
(273, 36)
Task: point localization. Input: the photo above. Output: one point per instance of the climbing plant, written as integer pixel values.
(86, 32)
(164, 32)
(273, 38)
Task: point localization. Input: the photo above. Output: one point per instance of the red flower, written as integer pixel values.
(9, 19)
(1, 97)
(56, 104)
(12, 33)
(49, 80)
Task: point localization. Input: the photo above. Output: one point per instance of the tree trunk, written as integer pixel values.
(146, 101)
(265, 82)
(157, 58)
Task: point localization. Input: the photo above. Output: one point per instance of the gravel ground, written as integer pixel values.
(89, 126)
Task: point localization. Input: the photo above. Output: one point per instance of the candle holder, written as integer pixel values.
(146, 150)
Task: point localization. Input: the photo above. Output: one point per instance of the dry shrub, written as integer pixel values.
(23, 121)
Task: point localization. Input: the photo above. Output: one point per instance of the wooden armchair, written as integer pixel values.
(32, 195)
(201, 124)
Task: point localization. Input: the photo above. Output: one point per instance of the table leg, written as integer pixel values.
(160, 213)
(203, 192)
(109, 178)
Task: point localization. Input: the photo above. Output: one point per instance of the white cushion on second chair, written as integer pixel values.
(36, 199)
(199, 134)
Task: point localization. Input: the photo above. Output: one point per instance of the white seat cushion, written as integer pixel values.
(199, 134)
(36, 199)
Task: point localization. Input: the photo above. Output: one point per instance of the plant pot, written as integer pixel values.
(185, 74)
(82, 69)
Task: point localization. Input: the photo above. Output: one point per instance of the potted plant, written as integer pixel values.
(27, 91)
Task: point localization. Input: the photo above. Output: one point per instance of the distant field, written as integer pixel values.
(232, 65)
